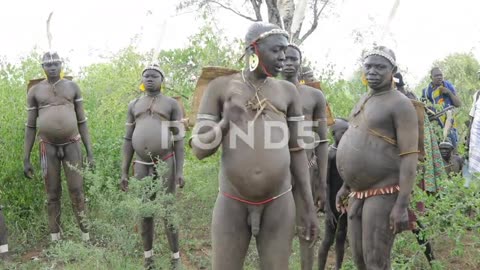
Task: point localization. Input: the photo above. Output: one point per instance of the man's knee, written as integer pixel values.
(54, 196)
(77, 195)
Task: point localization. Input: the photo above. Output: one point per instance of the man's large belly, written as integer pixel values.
(365, 161)
(256, 173)
(57, 124)
(151, 139)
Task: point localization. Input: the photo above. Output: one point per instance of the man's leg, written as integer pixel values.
(355, 230)
(327, 242)
(340, 238)
(274, 241)
(3, 234)
(230, 234)
(170, 229)
(378, 238)
(306, 252)
(53, 187)
(72, 164)
(142, 171)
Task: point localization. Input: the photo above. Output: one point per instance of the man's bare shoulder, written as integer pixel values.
(315, 93)
(285, 86)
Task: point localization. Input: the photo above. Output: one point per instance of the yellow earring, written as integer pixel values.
(364, 79)
(253, 62)
(142, 87)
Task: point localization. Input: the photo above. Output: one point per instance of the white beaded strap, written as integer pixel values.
(204, 116)
(82, 121)
(130, 124)
(296, 118)
(31, 108)
(78, 100)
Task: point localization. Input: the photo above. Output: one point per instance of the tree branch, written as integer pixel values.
(315, 20)
(256, 4)
(236, 12)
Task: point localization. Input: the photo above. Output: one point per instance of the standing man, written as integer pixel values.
(442, 92)
(154, 133)
(377, 159)
(255, 119)
(55, 108)
(314, 104)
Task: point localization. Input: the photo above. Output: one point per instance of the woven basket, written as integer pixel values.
(330, 117)
(33, 82)
(208, 74)
(420, 109)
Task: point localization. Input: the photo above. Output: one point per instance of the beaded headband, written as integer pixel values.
(155, 67)
(271, 33)
(52, 60)
(382, 54)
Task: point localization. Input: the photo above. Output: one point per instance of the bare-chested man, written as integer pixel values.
(314, 104)
(155, 134)
(55, 108)
(255, 195)
(377, 159)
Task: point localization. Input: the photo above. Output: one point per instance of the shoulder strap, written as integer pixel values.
(477, 95)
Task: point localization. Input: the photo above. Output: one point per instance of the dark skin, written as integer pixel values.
(151, 137)
(255, 174)
(314, 105)
(437, 80)
(57, 111)
(453, 163)
(366, 161)
(335, 222)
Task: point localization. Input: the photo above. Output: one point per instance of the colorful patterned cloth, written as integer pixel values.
(433, 167)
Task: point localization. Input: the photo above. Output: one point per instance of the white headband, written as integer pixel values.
(382, 54)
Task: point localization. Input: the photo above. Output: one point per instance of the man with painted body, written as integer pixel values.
(55, 108)
(255, 181)
(335, 222)
(154, 133)
(442, 92)
(377, 159)
(314, 104)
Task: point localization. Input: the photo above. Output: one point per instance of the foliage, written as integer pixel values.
(113, 215)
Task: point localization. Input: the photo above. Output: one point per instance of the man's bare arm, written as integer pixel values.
(209, 128)
(406, 128)
(30, 131)
(321, 150)
(127, 149)
(455, 99)
(82, 122)
(178, 131)
(298, 157)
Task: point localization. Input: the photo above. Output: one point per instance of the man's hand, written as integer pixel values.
(27, 169)
(398, 219)
(233, 112)
(340, 199)
(444, 90)
(310, 227)
(319, 200)
(91, 162)
(124, 183)
(180, 181)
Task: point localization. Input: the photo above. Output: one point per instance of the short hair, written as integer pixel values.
(293, 46)
(435, 68)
